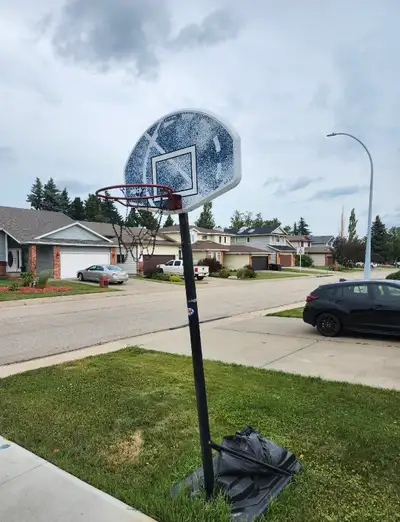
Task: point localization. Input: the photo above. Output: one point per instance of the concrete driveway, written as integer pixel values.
(289, 345)
(41, 327)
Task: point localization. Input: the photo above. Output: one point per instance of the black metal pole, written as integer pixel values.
(197, 356)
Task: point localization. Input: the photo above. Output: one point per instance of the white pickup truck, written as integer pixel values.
(175, 267)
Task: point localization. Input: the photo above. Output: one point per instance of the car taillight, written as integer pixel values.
(196, 270)
(311, 298)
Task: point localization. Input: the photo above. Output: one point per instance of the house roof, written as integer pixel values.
(251, 231)
(113, 231)
(283, 248)
(210, 231)
(24, 225)
(209, 245)
(318, 250)
(320, 240)
(232, 249)
(246, 249)
(298, 238)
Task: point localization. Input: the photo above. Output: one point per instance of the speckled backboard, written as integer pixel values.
(192, 152)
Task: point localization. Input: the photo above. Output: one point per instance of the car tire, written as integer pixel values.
(120, 282)
(328, 325)
(199, 278)
(80, 277)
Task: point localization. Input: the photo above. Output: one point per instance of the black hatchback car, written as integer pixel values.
(367, 306)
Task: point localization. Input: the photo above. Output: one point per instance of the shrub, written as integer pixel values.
(306, 261)
(213, 264)
(14, 287)
(160, 276)
(43, 279)
(175, 279)
(246, 273)
(394, 275)
(27, 278)
(149, 273)
(224, 273)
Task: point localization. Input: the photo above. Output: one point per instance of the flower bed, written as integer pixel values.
(34, 290)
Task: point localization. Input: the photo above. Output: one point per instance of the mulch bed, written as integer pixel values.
(33, 290)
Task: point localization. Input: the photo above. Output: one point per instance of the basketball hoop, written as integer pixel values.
(139, 241)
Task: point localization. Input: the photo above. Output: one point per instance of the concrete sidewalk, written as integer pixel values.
(33, 490)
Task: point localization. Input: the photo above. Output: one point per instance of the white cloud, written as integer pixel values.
(284, 77)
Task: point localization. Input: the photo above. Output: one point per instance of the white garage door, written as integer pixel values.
(74, 259)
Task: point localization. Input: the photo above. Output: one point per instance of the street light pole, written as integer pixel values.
(367, 262)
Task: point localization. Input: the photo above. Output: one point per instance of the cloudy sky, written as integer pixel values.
(82, 79)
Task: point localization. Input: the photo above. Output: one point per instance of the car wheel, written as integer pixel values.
(120, 282)
(328, 325)
(80, 277)
(200, 278)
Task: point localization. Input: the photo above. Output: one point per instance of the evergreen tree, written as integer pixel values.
(169, 222)
(77, 210)
(287, 229)
(393, 244)
(51, 196)
(35, 197)
(133, 218)
(379, 242)
(93, 209)
(64, 202)
(274, 222)
(295, 229)
(109, 211)
(206, 218)
(303, 228)
(147, 219)
(352, 229)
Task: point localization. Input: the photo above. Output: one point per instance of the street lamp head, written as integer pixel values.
(330, 135)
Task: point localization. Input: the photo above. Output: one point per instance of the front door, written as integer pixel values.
(14, 260)
(359, 302)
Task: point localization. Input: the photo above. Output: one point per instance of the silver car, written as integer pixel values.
(114, 273)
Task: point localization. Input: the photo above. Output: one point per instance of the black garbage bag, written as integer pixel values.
(250, 470)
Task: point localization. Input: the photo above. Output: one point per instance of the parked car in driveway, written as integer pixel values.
(368, 306)
(114, 273)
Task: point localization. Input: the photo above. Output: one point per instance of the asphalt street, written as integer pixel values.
(37, 329)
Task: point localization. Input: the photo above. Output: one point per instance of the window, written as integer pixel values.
(391, 292)
(218, 256)
(302, 243)
(99, 268)
(180, 253)
(177, 263)
(359, 292)
(113, 268)
(248, 239)
(220, 239)
(278, 239)
(224, 239)
(203, 237)
(170, 263)
(192, 238)
(121, 258)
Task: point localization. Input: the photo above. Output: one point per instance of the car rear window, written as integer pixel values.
(329, 291)
(113, 268)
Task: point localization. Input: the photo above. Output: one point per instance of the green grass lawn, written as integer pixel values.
(126, 422)
(296, 313)
(77, 288)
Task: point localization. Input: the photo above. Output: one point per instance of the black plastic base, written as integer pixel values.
(250, 485)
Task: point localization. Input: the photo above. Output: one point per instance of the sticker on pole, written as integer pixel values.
(190, 311)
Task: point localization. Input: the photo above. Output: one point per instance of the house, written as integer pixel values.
(37, 240)
(135, 255)
(320, 250)
(272, 239)
(221, 245)
(299, 241)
